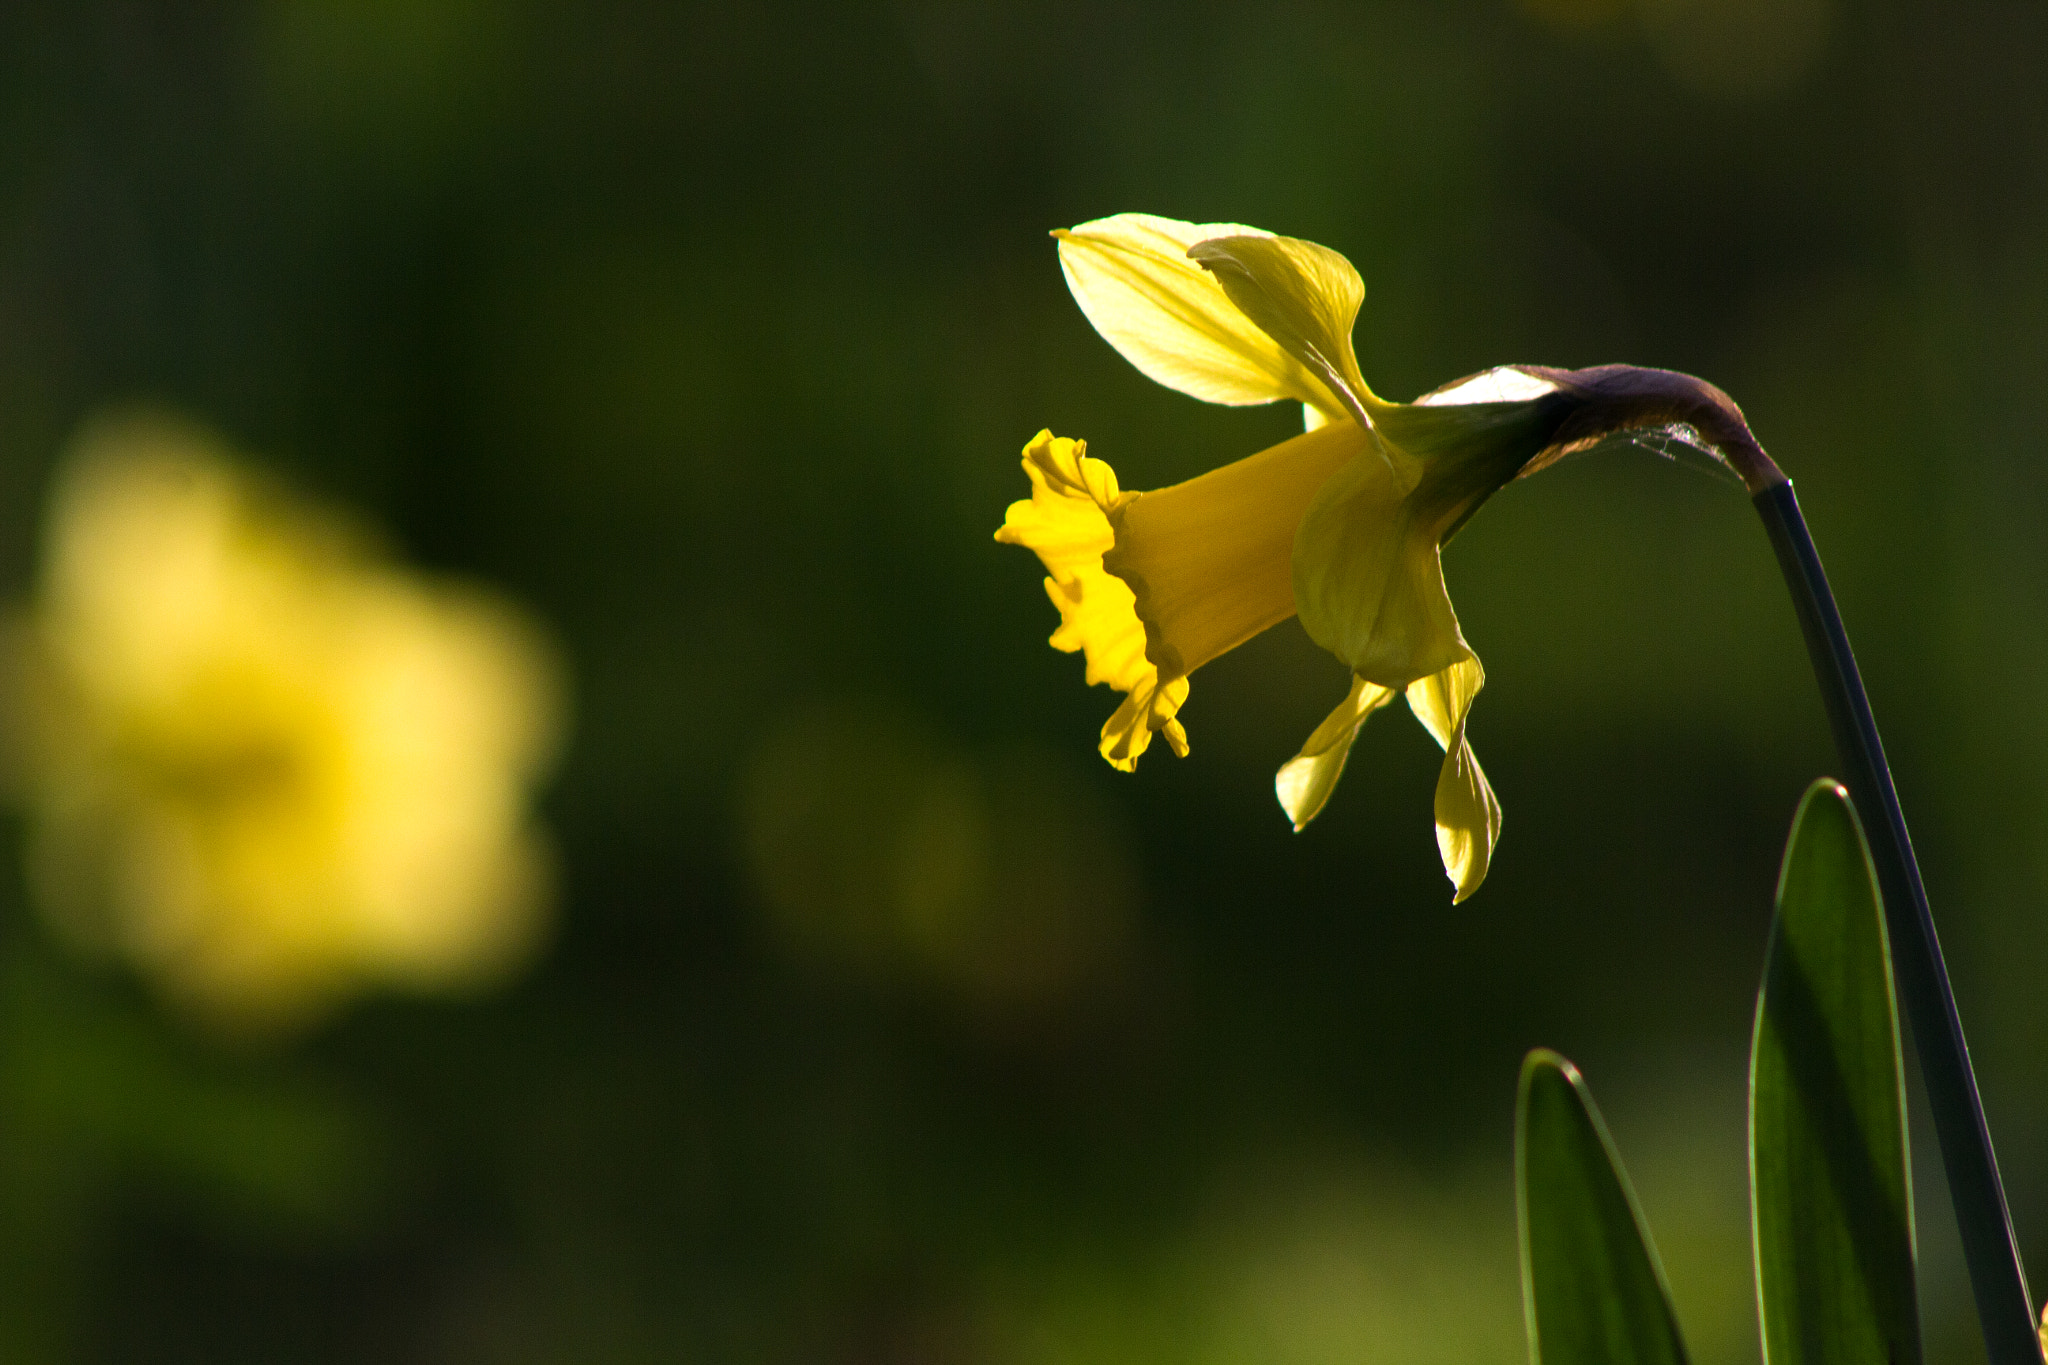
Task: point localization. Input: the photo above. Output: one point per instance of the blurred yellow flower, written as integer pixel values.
(1342, 525)
(259, 763)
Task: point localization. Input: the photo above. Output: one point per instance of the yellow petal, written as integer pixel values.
(1305, 781)
(1304, 296)
(1150, 708)
(1210, 561)
(1368, 580)
(1066, 523)
(1170, 317)
(1467, 813)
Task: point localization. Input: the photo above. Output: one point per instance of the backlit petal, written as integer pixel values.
(1368, 580)
(1210, 561)
(1467, 813)
(1306, 297)
(1066, 523)
(1305, 781)
(1171, 318)
(1502, 384)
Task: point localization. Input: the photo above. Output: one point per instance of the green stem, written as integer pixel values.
(1993, 1257)
(1611, 398)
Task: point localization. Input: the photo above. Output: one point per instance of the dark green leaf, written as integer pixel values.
(1827, 1127)
(1591, 1284)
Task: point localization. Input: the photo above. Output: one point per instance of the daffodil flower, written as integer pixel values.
(259, 760)
(1342, 525)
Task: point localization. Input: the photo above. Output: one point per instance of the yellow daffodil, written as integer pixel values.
(1341, 525)
(259, 762)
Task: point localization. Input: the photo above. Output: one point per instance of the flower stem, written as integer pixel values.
(1993, 1257)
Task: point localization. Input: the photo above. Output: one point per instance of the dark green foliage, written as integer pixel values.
(1591, 1283)
(1833, 1203)
(1829, 1179)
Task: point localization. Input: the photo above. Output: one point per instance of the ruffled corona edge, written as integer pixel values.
(1066, 523)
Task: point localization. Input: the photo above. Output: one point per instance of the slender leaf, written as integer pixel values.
(1827, 1126)
(1591, 1283)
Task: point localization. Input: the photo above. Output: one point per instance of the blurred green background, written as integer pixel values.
(882, 1021)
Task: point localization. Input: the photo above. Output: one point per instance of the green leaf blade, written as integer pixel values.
(1591, 1283)
(1831, 1197)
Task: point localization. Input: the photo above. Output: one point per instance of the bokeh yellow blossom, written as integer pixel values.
(260, 763)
